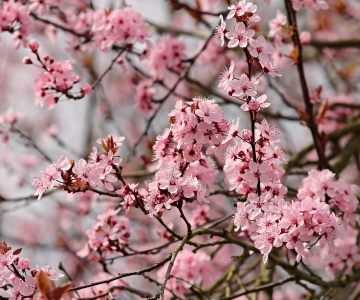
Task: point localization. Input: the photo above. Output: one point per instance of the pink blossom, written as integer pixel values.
(261, 48)
(220, 30)
(305, 37)
(192, 152)
(270, 68)
(15, 18)
(209, 111)
(233, 132)
(227, 76)
(109, 232)
(277, 24)
(238, 8)
(239, 36)
(87, 89)
(23, 263)
(255, 104)
(243, 87)
(52, 272)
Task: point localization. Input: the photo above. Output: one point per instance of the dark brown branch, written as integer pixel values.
(305, 90)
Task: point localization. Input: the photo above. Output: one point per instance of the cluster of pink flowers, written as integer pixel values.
(184, 170)
(14, 18)
(244, 14)
(276, 26)
(343, 257)
(57, 80)
(275, 222)
(110, 233)
(166, 53)
(16, 277)
(243, 174)
(321, 186)
(107, 28)
(100, 170)
(130, 195)
(251, 167)
(260, 50)
(272, 221)
(52, 173)
(190, 269)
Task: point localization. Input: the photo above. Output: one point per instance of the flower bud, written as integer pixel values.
(305, 38)
(33, 45)
(27, 60)
(246, 135)
(87, 89)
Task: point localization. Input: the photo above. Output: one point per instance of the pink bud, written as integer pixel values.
(27, 60)
(253, 105)
(120, 60)
(87, 89)
(246, 135)
(305, 38)
(33, 45)
(23, 263)
(46, 57)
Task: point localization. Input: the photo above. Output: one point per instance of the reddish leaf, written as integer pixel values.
(17, 251)
(61, 290)
(45, 285)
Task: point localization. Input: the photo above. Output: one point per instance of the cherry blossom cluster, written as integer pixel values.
(243, 174)
(345, 256)
(106, 28)
(277, 26)
(280, 31)
(7, 121)
(321, 186)
(101, 170)
(17, 278)
(251, 159)
(57, 80)
(15, 18)
(110, 233)
(184, 171)
(274, 222)
(244, 14)
(167, 53)
(190, 269)
(255, 49)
